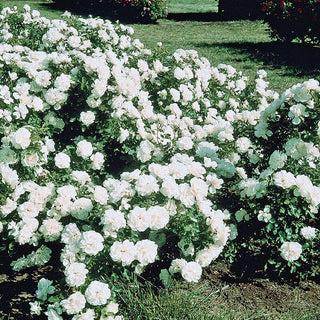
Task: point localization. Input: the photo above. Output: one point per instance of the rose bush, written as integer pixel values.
(125, 156)
(128, 10)
(293, 19)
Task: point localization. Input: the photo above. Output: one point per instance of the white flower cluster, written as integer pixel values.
(191, 134)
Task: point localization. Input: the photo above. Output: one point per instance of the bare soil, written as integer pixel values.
(252, 296)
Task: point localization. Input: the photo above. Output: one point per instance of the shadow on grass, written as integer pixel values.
(296, 58)
(206, 17)
(110, 12)
(130, 15)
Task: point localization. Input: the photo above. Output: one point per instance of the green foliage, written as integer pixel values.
(44, 289)
(125, 10)
(38, 257)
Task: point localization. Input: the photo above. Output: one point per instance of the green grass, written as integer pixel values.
(197, 302)
(41, 5)
(187, 6)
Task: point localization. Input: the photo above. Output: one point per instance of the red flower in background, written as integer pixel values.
(293, 19)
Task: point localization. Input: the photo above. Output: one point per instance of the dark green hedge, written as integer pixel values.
(240, 9)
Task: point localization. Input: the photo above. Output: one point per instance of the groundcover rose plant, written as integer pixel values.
(124, 157)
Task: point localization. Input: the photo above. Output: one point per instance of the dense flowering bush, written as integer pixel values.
(128, 10)
(293, 19)
(125, 157)
(149, 9)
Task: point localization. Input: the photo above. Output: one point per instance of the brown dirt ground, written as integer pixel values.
(262, 296)
(228, 291)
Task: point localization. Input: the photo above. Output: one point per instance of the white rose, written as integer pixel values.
(87, 118)
(70, 234)
(21, 139)
(76, 274)
(177, 265)
(113, 221)
(139, 219)
(112, 307)
(100, 195)
(9, 175)
(185, 195)
(146, 251)
(97, 293)
(291, 251)
(124, 252)
(158, 170)
(284, 179)
(91, 242)
(243, 144)
(8, 207)
(191, 272)
(308, 232)
(81, 207)
(80, 176)
(159, 217)
(84, 149)
(146, 184)
(185, 143)
(63, 82)
(37, 104)
(62, 160)
(97, 160)
(199, 188)
(170, 188)
(51, 229)
(74, 304)
(30, 160)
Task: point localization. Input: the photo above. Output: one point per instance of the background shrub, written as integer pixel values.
(124, 10)
(237, 9)
(293, 19)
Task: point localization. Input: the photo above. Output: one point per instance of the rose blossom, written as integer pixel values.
(100, 195)
(191, 271)
(291, 251)
(21, 139)
(146, 251)
(284, 179)
(84, 149)
(87, 118)
(139, 219)
(146, 184)
(51, 229)
(308, 232)
(81, 207)
(74, 304)
(97, 293)
(159, 217)
(62, 160)
(91, 242)
(124, 252)
(76, 274)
